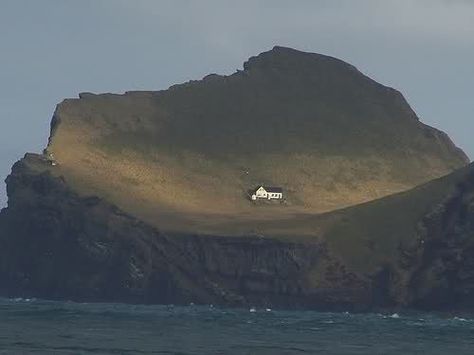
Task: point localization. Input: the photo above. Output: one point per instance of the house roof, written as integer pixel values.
(272, 189)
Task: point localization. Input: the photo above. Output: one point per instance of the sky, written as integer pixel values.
(54, 49)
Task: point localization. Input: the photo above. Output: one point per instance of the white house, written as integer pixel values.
(267, 193)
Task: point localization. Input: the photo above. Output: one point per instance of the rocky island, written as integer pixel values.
(142, 197)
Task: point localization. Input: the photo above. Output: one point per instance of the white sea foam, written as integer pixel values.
(20, 299)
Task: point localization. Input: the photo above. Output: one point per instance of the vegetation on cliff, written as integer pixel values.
(184, 158)
(146, 201)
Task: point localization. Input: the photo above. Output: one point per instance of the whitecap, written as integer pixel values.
(20, 299)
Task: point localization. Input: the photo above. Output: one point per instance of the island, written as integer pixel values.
(143, 197)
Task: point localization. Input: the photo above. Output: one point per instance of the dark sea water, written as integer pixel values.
(43, 327)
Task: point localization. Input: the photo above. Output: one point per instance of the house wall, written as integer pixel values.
(278, 195)
(261, 193)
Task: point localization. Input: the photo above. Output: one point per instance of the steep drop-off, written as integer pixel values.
(146, 201)
(56, 244)
(414, 249)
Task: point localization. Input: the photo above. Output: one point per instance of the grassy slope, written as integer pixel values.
(369, 235)
(365, 236)
(183, 159)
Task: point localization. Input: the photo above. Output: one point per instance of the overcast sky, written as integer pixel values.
(53, 49)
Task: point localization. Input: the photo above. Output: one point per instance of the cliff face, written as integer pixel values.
(146, 200)
(56, 244)
(442, 270)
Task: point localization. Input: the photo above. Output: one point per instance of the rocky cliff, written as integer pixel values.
(56, 244)
(145, 201)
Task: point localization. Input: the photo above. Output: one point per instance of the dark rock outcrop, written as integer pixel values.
(442, 274)
(88, 219)
(55, 244)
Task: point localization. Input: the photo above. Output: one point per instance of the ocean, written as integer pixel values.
(29, 326)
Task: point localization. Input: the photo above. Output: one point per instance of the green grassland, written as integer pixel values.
(183, 159)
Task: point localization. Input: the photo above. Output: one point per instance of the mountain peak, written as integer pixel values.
(289, 58)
